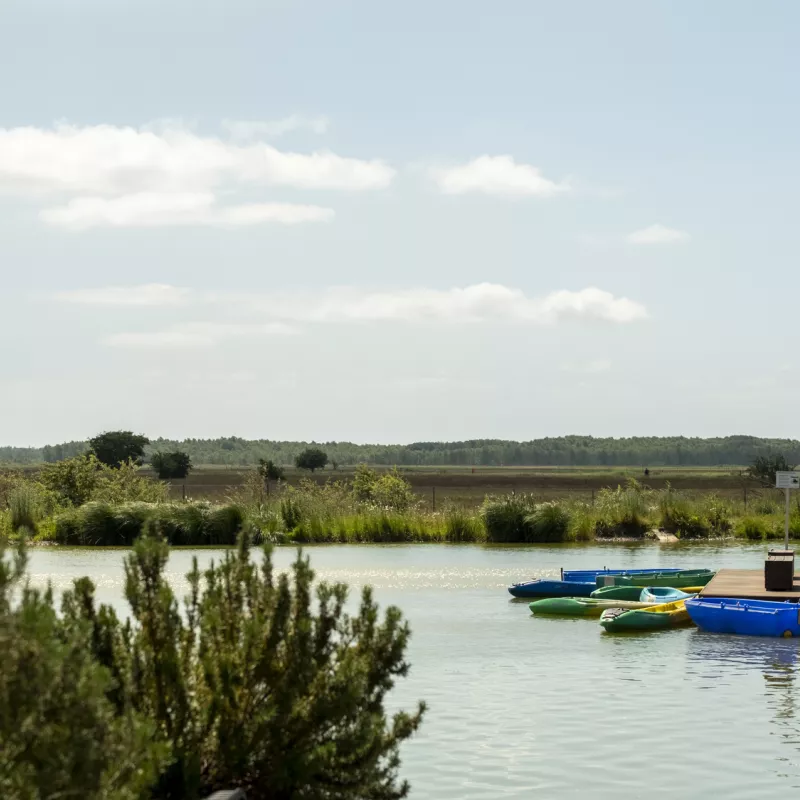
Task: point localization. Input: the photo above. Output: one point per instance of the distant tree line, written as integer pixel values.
(557, 451)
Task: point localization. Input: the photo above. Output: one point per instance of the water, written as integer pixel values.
(522, 706)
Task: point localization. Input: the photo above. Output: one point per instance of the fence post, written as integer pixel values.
(433, 495)
(183, 492)
(745, 499)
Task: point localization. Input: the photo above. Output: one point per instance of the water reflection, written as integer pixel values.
(715, 655)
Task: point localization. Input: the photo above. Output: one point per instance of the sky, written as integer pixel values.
(389, 222)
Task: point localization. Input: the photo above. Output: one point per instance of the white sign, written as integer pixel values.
(787, 480)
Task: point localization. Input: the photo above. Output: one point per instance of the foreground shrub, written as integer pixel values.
(623, 512)
(462, 525)
(60, 735)
(264, 683)
(753, 528)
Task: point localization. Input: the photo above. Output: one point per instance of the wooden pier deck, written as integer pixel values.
(746, 583)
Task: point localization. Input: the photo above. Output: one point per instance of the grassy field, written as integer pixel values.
(468, 486)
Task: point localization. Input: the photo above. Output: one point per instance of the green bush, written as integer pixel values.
(461, 525)
(623, 512)
(24, 508)
(192, 524)
(506, 518)
(548, 523)
(753, 528)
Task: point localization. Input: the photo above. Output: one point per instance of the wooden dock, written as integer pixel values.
(746, 583)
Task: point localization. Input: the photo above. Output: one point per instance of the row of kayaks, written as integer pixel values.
(653, 608)
(583, 583)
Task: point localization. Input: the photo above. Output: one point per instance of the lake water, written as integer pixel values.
(522, 706)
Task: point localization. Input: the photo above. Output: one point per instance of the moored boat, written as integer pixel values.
(546, 587)
(666, 594)
(745, 617)
(592, 574)
(676, 580)
(617, 593)
(668, 615)
(581, 606)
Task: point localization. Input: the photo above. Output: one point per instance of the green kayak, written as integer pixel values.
(676, 580)
(581, 606)
(668, 615)
(617, 593)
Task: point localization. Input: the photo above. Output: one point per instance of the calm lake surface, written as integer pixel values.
(521, 707)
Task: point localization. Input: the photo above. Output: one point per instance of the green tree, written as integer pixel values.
(173, 464)
(263, 683)
(269, 470)
(114, 448)
(60, 735)
(74, 480)
(763, 468)
(311, 458)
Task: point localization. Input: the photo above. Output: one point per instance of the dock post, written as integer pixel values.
(786, 524)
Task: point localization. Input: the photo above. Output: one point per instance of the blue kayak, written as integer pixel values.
(546, 587)
(663, 594)
(745, 617)
(592, 574)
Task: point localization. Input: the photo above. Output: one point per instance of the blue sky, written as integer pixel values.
(392, 222)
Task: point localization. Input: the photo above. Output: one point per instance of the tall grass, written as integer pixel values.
(181, 524)
(24, 508)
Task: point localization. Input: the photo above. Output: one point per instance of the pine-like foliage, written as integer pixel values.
(264, 682)
(60, 735)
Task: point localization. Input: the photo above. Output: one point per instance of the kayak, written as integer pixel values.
(546, 587)
(666, 594)
(617, 593)
(592, 574)
(581, 606)
(677, 580)
(668, 615)
(745, 617)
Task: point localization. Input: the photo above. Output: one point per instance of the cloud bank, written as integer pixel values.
(496, 175)
(283, 312)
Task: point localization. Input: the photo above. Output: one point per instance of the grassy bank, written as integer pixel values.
(78, 503)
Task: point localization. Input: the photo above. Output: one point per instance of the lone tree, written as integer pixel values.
(176, 464)
(311, 458)
(763, 468)
(114, 448)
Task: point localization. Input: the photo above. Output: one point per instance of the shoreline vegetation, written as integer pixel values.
(82, 502)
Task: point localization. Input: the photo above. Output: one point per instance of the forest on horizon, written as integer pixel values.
(556, 451)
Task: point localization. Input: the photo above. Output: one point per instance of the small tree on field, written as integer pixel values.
(269, 470)
(763, 468)
(114, 448)
(311, 458)
(176, 464)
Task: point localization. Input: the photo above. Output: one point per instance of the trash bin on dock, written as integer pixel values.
(779, 571)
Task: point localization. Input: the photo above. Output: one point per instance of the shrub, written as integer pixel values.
(174, 464)
(24, 508)
(753, 528)
(622, 512)
(312, 458)
(582, 523)
(549, 522)
(506, 518)
(462, 526)
(264, 683)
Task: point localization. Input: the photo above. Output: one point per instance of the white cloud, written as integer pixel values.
(152, 209)
(110, 160)
(498, 175)
(485, 302)
(197, 334)
(657, 234)
(247, 130)
(148, 294)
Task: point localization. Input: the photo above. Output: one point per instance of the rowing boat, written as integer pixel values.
(677, 580)
(581, 606)
(745, 617)
(546, 587)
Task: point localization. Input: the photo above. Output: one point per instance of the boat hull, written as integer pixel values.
(676, 580)
(745, 617)
(580, 606)
(593, 574)
(617, 593)
(551, 588)
(668, 615)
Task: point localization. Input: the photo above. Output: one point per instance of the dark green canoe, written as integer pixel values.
(677, 580)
